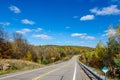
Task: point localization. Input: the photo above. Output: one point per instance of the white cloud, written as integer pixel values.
(89, 37)
(38, 29)
(42, 36)
(14, 9)
(110, 10)
(4, 23)
(67, 27)
(20, 32)
(78, 34)
(87, 17)
(83, 36)
(110, 32)
(26, 30)
(75, 17)
(23, 31)
(26, 21)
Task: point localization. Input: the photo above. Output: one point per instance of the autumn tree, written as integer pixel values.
(5, 46)
(28, 56)
(20, 46)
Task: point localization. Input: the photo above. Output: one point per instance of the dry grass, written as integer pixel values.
(19, 65)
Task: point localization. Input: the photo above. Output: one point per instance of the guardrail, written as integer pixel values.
(88, 70)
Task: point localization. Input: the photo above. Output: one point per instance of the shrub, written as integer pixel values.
(44, 61)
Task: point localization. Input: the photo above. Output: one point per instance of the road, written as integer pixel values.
(69, 70)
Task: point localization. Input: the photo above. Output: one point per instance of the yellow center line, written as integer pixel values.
(45, 74)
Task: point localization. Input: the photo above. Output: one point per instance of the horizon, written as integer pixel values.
(61, 22)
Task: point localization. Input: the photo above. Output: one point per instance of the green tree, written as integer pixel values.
(112, 50)
(44, 61)
(118, 37)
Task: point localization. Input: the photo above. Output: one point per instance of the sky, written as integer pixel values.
(61, 22)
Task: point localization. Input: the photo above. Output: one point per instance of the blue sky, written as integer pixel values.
(61, 22)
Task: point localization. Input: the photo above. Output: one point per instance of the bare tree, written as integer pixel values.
(5, 46)
(20, 46)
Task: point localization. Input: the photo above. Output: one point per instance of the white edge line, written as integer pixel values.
(8, 76)
(74, 76)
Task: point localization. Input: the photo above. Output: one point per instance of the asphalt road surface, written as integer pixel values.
(68, 70)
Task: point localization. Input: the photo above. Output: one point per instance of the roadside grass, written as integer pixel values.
(22, 65)
(18, 65)
(7, 71)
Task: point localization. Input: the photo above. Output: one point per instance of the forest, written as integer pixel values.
(105, 54)
(19, 48)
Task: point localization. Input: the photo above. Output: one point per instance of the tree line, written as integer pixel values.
(107, 54)
(19, 48)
